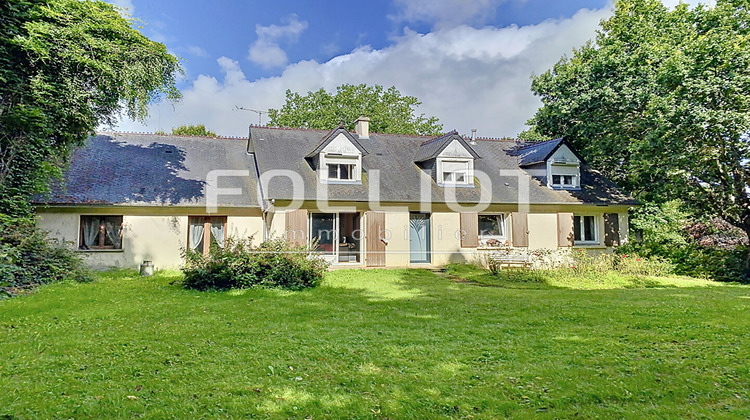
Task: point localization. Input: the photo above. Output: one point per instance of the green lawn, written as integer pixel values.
(375, 344)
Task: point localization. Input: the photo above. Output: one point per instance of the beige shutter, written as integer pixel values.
(375, 237)
(296, 227)
(520, 229)
(565, 236)
(469, 230)
(611, 229)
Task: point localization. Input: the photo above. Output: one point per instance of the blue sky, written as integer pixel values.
(468, 61)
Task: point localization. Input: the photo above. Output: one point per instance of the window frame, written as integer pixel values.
(207, 221)
(503, 227)
(338, 166)
(466, 171)
(102, 235)
(575, 179)
(325, 160)
(582, 229)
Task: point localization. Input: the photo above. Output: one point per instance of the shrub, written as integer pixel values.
(240, 264)
(28, 258)
(627, 264)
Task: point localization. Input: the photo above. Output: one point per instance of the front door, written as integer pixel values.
(419, 237)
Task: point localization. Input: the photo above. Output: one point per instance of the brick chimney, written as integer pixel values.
(362, 127)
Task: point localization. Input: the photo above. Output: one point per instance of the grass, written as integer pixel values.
(374, 344)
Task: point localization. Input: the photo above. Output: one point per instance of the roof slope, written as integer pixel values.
(390, 169)
(154, 170)
(536, 152)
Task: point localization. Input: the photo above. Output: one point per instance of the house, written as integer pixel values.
(361, 199)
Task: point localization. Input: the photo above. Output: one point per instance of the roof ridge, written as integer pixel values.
(148, 133)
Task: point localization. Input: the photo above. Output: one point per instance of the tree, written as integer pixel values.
(661, 104)
(389, 111)
(193, 130)
(67, 66)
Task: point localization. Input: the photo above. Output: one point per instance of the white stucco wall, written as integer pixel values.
(157, 238)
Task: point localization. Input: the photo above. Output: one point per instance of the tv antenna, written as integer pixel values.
(257, 111)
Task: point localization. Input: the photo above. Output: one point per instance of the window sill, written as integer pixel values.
(589, 245)
(563, 188)
(96, 251)
(444, 185)
(339, 182)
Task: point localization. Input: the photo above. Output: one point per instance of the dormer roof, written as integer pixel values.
(432, 148)
(538, 152)
(331, 136)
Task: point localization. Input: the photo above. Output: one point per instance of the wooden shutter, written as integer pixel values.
(296, 227)
(565, 236)
(611, 229)
(375, 235)
(520, 229)
(469, 230)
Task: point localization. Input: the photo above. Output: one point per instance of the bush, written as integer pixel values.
(240, 264)
(626, 264)
(28, 258)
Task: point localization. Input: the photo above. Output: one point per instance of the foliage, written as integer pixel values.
(28, 258)
(240, 264)
(193, 130)
(389, 111)
(699, 247)
(66, 67)
(659, 103)
(533, 134)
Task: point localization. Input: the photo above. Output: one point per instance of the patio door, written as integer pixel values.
(337, 236)
(419, 238)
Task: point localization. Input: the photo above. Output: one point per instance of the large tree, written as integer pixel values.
(67, 66)
(661, 103)
(389, 111)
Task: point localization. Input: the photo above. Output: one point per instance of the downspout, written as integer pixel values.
(263, 203)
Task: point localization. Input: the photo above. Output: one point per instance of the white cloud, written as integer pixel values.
(197, 51)
(265, 51)
(467, 77)
(446, 13)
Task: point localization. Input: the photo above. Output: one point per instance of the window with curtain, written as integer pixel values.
(491, 226)
(585, 230)
(100, 233)
(204, 232)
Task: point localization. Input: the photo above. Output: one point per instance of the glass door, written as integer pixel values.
(419, 237)
(323, 234)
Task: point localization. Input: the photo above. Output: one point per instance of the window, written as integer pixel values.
(100, 233)
(340, 171)
(455, 172)
(491, 226)
(203, 232)
(336, 236)
(585, 229)
(563, 180)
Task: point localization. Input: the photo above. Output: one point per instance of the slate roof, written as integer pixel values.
(430, 149)
(393, 157)
(154, 170)
(536, 152)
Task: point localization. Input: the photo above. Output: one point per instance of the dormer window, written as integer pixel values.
(455, 172)
(564, 176)
(338, 158)
(338, 168)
